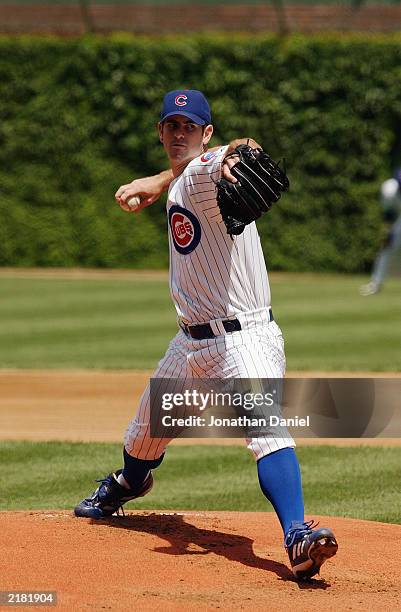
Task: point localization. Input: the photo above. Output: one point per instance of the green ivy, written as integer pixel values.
(78, 116)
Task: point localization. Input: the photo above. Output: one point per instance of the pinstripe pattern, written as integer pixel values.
(218, 278)
(255, 352)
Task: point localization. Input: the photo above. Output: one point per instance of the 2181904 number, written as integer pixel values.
(26, 598)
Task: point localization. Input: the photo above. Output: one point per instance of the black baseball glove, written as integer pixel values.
(260, 183)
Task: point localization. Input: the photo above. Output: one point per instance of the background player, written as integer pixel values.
(390, 198)
(221, 292)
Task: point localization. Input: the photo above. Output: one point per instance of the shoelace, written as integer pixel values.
(119, 508)
(299, 530)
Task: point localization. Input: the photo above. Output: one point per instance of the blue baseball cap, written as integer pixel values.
(188, 102)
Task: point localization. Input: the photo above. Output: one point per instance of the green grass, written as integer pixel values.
(359, 482)
(84, 323)
(114, 323)
(327, 325)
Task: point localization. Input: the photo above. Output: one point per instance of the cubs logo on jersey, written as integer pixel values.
(206, 157)
(185, 229)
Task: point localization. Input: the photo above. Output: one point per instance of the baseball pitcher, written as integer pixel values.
(220, 289)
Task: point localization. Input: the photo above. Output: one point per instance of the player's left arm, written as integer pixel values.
(227, 164)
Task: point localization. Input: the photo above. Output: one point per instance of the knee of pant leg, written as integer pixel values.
(146, 448)
(260, 447)
(139, 444)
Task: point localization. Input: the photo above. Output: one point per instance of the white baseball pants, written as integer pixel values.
(257, 351)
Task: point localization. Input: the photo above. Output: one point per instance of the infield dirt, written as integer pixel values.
(96, 406)
(194, 561)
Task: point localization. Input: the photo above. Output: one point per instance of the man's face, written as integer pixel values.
(182, 139)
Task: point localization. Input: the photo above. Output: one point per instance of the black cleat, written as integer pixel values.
(110, 496)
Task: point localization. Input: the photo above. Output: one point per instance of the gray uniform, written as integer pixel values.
(390, 197)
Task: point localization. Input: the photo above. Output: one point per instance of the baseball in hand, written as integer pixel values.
(134, 202)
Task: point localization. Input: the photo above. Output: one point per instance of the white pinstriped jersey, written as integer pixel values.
(211, 274)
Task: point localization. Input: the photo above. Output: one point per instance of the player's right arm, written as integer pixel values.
(149, 189)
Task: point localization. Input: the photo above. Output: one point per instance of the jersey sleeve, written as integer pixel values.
(201, 177)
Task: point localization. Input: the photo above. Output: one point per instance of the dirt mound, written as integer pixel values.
(194, 560)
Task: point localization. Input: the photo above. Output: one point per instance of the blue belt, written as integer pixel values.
(204, 331)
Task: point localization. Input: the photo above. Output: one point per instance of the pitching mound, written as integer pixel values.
(194, 560)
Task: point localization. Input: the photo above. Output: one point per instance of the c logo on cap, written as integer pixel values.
(181, 100)
(185, 229)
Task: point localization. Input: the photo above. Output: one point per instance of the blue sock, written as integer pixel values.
(135, 470)
(280, 481)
